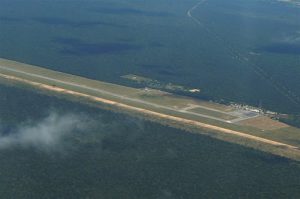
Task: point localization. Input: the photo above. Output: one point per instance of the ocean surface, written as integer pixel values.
(237, 50)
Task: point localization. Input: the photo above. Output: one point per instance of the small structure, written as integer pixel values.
(195, 90)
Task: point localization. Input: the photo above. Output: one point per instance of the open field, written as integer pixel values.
(172, 109)
(264, 123)
(144, 98)
(218, 114)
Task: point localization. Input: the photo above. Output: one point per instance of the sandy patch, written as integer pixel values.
(264, 123)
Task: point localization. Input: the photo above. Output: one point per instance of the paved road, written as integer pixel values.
(190, 12)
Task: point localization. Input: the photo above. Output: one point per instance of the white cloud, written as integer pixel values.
(49, 134)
